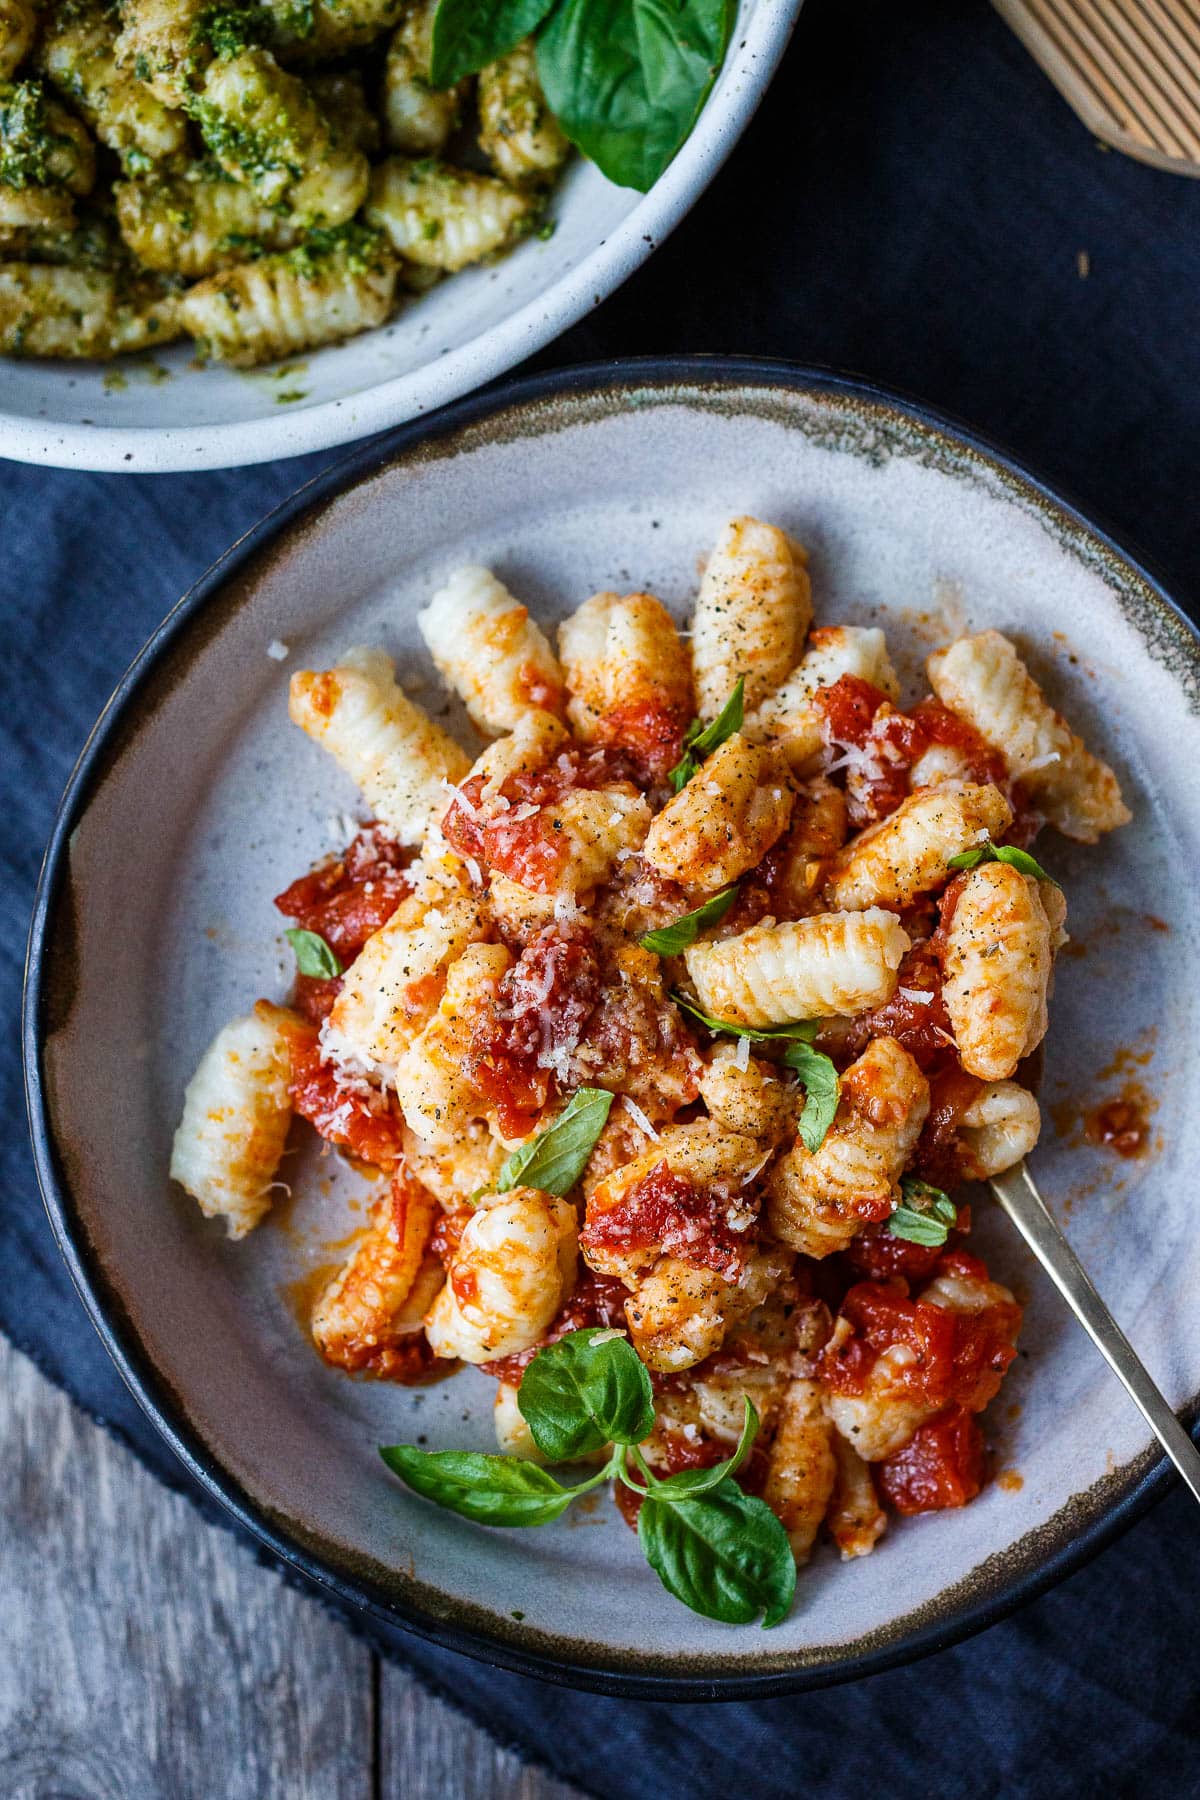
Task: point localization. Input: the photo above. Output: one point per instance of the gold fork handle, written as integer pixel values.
(1017, 1194)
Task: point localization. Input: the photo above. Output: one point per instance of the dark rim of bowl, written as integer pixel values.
(1071, 1547)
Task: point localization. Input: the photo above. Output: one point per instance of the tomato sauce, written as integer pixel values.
(879, 1256)
(922, 1026)
(651, 732)
(363, 1122)
(940, 727)
(1121, 1124)
(941, 1157)
(943, 1465)
(542, 1008)
(347, 899)
(958, 1358)
(523, 839)
(666, 1211)
(858, 716)
(597, 1300)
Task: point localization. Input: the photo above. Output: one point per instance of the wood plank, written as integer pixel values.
(427, 1752)
(144, 1653)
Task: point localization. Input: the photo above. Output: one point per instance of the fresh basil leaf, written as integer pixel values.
(925, 1214)
(313, 955)
(554, 1160)
(492, 1490)
(590, 1389)
(1005, 853)
(626, 79)
(701, 740)
(681, 934)
(467, 35)
(803, 1029)
(723, 1553)
(690, 1482)
(819, 1079)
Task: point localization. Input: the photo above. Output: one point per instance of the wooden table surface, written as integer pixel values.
(145, 1655)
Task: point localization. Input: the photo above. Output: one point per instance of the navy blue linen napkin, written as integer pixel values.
(916, 204)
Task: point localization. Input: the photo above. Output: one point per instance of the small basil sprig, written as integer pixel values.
(701, 740)
(1005, 853)
(803, 1029)
(720, 1551)
(819, 1079)
(626, 79)
(554, 1160)
(681, 934)
(925, 1215)
(313, 955)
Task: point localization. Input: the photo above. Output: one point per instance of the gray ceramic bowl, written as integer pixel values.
(193, 777)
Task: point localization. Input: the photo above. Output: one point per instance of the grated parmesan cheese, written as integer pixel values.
(277, 651)
(639, 1118)
(1043, 762)
(921, 995)
(741, 1056)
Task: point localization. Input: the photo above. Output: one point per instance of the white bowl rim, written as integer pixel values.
(1064, 1545)
(753, 58)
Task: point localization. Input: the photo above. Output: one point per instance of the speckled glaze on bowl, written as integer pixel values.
(194, 780)
(158, 413)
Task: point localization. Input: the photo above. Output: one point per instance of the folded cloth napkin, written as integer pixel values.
(913, 202)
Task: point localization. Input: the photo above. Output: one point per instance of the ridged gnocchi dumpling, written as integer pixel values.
(48, 310)
(195, 221)
(442, 217)
(984, 680)
(236, 1114)
(752, 614)
(1000, 1126)
(18, 22)
(726, 818)
(418, 117)
(430, 1076)
(746, 1095)
(818, 1200)
(629, 676)
(830, 963)
(374, 1306)
(996, 970)
(909, 852)
(680, 1312)
(401, 761)
(855, 1520)
(161, 43)
(512, 1271)
(787, 715)
(801, 1469)
(77, 52)
(397, 980)
(518, 133)
(490, 651)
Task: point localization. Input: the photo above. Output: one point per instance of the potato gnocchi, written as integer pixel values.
(789, 965)
(265, 179)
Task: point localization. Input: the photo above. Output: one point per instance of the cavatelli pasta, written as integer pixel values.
(752, 614)
(818, 1200)
(236, 1114)
(196, 221)
(490, 652)
(399, 758)
(374, 1307)
(629, 677)
(726, 818)
(807, 969)
(418, 117)
(518, 133)
(265, 129)
(49, 310)
(430, 1076)
(984, 680)
(396, 981)
(514, 1267)
(801, 1470)
(18, 23)
(441, 217)
(297, 300)
(996, 970)
(909, 852)
(77, 52)
(788, 714)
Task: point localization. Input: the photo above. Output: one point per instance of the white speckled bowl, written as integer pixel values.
(195, 780)
(128, 417)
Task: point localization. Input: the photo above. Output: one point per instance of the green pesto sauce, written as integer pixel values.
(27, 141)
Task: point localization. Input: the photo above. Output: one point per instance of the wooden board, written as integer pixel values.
(1130, 69)
(146, 1655)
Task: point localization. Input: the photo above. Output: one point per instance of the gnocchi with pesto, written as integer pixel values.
(679, 1003)
(264, 178)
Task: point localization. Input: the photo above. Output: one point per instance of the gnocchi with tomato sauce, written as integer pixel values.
(677, 1018)
(256, 192)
